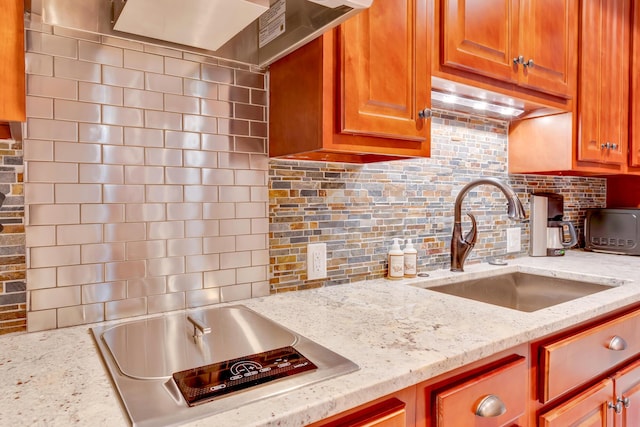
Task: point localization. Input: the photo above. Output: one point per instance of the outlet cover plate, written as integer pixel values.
(316, 261)
(513, 240)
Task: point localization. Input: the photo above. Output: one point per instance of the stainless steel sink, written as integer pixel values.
(521, 291)
(142, 356)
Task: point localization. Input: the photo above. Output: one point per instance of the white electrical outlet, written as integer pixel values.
(316, 261)
(513, 240)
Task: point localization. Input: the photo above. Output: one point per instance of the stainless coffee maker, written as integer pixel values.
(550, 235)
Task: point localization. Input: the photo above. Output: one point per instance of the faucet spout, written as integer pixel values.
(462, 246)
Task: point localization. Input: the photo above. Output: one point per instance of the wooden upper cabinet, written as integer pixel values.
(594, 137)
(12, 81)
(530, 43)
(354, 95)
(481, 36)
(385, 79)
(548, 41)
(634, 140)
(603, 97)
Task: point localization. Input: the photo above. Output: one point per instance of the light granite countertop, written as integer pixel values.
(398, 334)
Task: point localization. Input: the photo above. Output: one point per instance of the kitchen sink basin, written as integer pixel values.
(179, 367)
(521, 291)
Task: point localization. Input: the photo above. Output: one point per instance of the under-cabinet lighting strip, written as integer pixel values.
(476, 104)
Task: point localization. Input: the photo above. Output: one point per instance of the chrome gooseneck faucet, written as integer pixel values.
(461, 246)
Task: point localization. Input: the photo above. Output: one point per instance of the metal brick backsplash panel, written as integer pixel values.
(126, 159)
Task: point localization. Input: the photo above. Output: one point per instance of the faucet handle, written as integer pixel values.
(472, 235)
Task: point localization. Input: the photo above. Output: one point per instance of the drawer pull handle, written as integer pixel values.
(490, 406)
(617, 344)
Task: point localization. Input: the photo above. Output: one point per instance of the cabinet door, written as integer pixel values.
(480, 36)
(12, 83)
(385, 80)
(634, 149)
(588, 409)
(603, 100)
(548, 36)
(627, 389)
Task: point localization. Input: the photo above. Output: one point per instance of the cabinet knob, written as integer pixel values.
(520, 60)
(614, 146)
(625, 401)
(617, 344)
(424, 114)
(490, 406)
(608, 146)
(616, 407)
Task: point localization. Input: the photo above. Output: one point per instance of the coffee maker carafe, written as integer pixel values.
(550, 235)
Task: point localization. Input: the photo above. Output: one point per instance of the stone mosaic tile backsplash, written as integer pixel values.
(357, 210)
(13, 294)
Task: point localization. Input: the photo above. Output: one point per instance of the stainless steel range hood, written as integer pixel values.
(255, 32)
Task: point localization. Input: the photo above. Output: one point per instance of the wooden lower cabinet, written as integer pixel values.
(627, 396)
(588, 409)
(580, 377)
(395, 410)
(612, 402)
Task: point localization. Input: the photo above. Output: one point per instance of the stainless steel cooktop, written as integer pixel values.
(219, 358)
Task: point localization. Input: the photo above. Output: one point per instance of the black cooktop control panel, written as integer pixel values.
(206, 383)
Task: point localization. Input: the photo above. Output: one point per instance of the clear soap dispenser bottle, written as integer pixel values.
(410, 260)
(396, 261)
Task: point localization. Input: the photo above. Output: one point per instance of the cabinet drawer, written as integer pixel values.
(572, 361)
(388, 413)
(457, 406)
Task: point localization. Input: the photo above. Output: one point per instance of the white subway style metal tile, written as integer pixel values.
(76, 70)
(80, 315)
(102, 54)
(80, 274)
(143, 61)
(121, 77)
(184, 282)
(143, 179)
(103, 292)
(103, 252)
(100, 94)
(105, 134)
(145, 287)
(38, 64)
